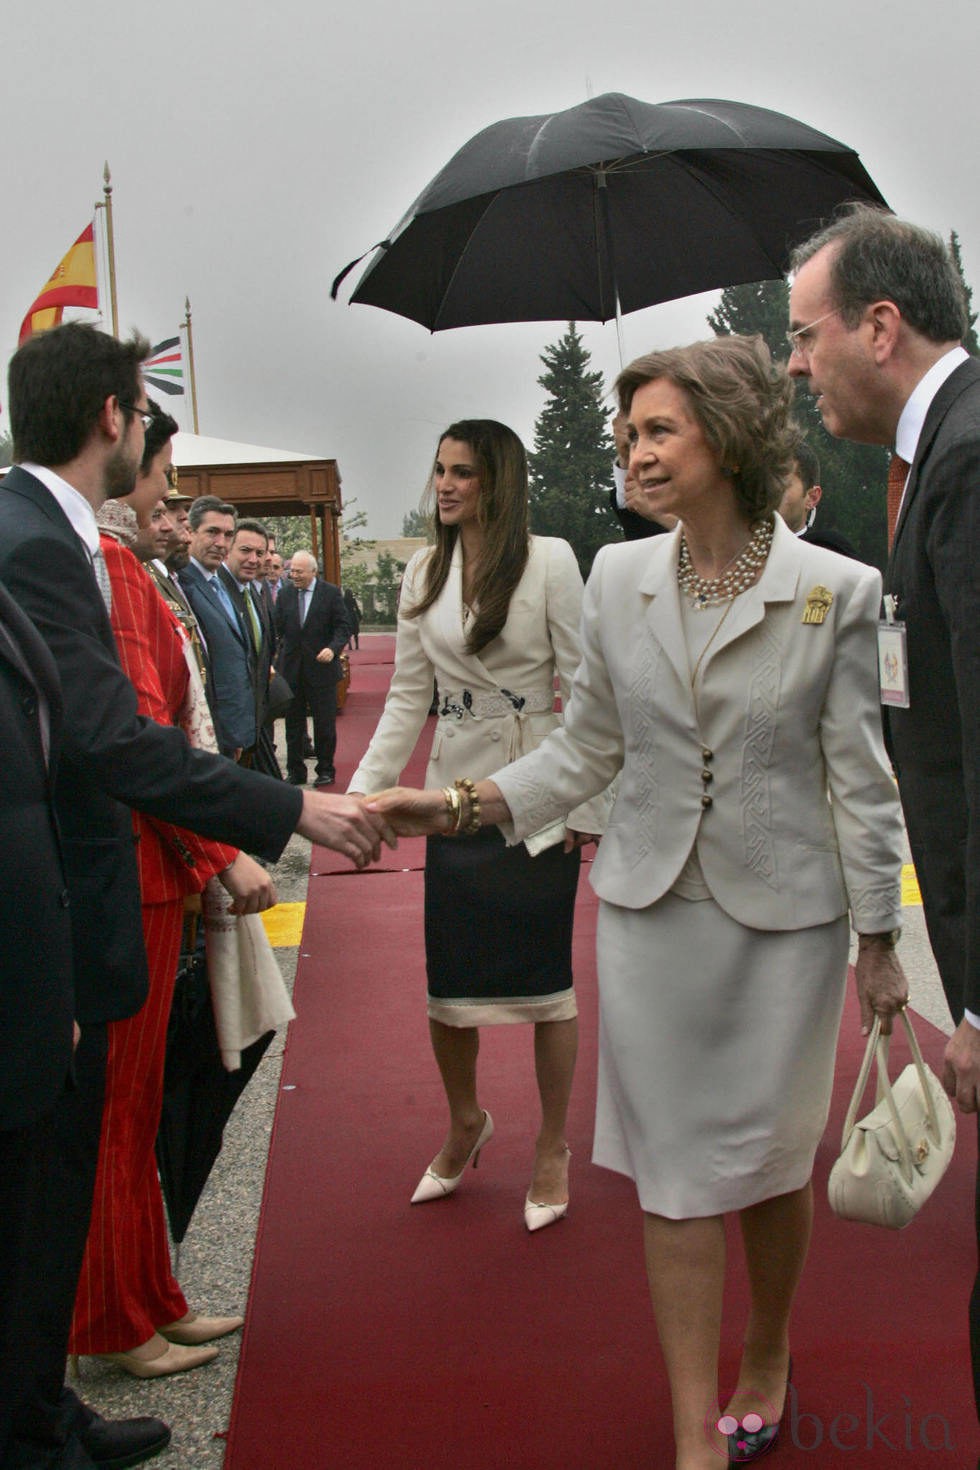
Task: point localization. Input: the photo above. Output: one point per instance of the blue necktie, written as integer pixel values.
(225, 601)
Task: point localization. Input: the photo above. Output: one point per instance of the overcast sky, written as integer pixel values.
(254, 153)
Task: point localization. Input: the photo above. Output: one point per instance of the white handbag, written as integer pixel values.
(892, 1159)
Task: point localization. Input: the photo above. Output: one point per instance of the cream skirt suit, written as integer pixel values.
(755, 808)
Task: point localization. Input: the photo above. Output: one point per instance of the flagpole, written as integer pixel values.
(110, 248)
(186, 324)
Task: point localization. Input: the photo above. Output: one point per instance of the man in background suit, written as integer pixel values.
(230, 651)
(312, 625)
(78, 412)
(798, 506)
(878, 314)
(240, 574)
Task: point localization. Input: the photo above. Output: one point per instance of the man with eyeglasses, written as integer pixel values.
(78, 408)
(877, 317)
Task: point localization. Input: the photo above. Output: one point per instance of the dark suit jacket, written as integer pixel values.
(36, 995)
(112, 755)
(260, 659)
(934, 573)
(832, 540)
(230, 662)
(326, 626)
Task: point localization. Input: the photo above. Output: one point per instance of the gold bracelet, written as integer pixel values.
(454, 807)
(471, 826)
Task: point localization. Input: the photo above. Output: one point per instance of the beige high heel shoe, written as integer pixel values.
(158, 1358)
(434, 1186)
(194, 1329)
(537, 1216)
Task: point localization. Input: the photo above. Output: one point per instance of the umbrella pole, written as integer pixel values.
(606, 235)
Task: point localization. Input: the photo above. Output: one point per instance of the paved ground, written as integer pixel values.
(215, 1260)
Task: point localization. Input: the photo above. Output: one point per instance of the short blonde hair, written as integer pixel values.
(742, 401)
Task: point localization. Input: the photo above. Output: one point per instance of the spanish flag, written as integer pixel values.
(72, 283)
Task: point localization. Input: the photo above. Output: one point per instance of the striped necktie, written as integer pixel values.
(253, 619)
(102, 577)
(898, 472)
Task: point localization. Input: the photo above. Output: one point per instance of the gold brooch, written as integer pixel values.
(817, 604)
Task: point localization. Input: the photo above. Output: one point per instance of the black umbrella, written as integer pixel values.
(612, 204)
(199, 1094)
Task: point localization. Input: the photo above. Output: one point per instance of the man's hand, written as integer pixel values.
(881, 985)
(344, 824)
(325, 656)
(961, 1066)
(250, 886)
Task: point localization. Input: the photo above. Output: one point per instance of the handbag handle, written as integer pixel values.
(877, 1047)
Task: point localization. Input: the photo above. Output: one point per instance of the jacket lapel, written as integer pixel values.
(958, 382)
(658, 584)
(778, 583)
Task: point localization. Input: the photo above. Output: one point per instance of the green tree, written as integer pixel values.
(970, 340)
(387, 580)
(571, 464)
(417, 523)
(853, 476)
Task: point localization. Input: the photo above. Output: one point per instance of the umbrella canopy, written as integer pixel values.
(613, 202)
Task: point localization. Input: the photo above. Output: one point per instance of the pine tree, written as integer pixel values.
(853, 476)
(970, 341)
(571, 464)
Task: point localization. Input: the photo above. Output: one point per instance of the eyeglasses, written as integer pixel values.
(799, 340)
(145, 415)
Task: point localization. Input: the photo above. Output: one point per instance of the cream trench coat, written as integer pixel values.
(777, 772)
(493, 707)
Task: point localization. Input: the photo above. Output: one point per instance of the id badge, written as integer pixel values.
(893, 664)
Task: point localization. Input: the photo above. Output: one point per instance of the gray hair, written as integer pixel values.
(880, 257)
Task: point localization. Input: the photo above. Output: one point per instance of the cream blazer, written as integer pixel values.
(493, 707)
(776, 772)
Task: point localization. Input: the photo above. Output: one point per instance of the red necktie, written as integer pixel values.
(897, 475)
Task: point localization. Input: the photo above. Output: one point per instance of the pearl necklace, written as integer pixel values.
(740, 574)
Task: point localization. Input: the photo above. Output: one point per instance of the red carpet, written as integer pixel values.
(445, 1336)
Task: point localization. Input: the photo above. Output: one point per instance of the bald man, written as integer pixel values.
(312, 627)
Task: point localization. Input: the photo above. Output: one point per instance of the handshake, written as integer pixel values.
(357, 825)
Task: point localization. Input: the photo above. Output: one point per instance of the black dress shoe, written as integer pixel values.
(322, 782)
(114, 1444)
(297, 780)
(748, 1445)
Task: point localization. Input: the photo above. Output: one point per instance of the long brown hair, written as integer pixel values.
(502, 512)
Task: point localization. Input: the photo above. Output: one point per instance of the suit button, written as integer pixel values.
(29, 704)
(707, 801)
(63, 898)
(450, 734)
(707, 776)
(706, 754)
(495, 735)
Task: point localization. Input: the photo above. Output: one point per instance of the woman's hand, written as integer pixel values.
(881, 985)
(579, 839)
(411, 813)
